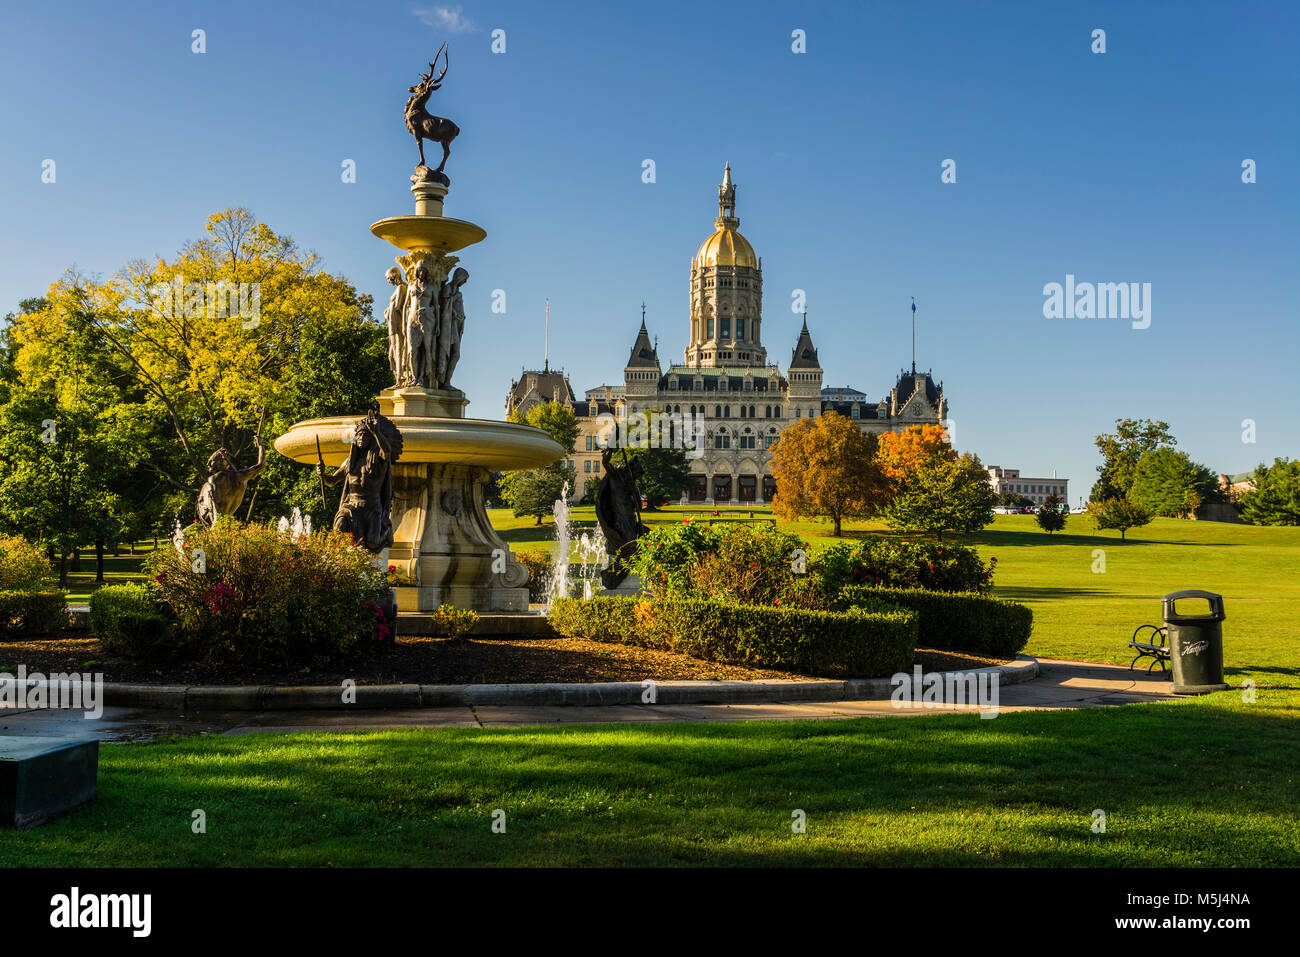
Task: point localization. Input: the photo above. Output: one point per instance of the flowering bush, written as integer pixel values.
(260, 595)
(666, 555)
(891, 563)
(26, 609)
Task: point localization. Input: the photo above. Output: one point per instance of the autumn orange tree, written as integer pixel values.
(901, 453)
(825, 467)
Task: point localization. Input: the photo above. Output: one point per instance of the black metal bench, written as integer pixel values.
(1156, 648)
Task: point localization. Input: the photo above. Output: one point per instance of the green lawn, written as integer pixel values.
(1209, 781)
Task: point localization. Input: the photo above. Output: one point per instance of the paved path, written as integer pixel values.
(1062, 684)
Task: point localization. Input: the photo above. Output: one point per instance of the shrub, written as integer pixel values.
(895, 563)
(753, 565)
(667, 554)
(539, 574)
(875, 639)
(266, 597)
(610, 618)
(966, 622)
(30, 612)
(23, 566)
(452, 622)
(128, 621)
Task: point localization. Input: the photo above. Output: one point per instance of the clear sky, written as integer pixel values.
(1123, 166)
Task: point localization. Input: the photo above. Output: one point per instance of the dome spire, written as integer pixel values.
(726, 201)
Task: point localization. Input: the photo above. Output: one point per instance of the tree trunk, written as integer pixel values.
(76, 559)
(99, 561)
(837, 526)
(539, 519)
(63, 569)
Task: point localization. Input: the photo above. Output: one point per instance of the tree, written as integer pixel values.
(555, 419)
(943, 495)
(899, 453)
(1120, 514)
(535, 491)
(666, 475)
(71, 434)
(1015, 500)
(1167, 482)
(1051, 514)
(214, 336)
(825, 467)
(1275, 499)
(1121, 450)
(525, 491)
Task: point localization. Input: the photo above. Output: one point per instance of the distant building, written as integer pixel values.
(1235, 486)
(1035, 489)
(536, 387)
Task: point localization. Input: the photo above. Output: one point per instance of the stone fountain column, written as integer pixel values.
(442, 538)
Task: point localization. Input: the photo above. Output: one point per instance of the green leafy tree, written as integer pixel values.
(1051, 514)
(1014, 500)
(943, 495)
(666, 476)
(1275, 499)
(1119, 514)
(524, 490)
(1121, 451)
(535, 492)
(1167, 482)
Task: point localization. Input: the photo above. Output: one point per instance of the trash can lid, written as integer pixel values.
(1215, 613)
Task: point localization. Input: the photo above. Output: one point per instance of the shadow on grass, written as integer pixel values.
(929, 790)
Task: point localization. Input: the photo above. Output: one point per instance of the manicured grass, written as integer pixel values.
(1209, 781)
(1206, 782)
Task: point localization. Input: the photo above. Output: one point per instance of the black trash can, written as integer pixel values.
(1195, 643)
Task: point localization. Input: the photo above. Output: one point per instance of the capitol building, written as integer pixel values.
(725, 381)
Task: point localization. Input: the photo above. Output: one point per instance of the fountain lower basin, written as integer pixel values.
(442, 538)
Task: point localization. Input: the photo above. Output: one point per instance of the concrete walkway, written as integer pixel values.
(1062, 684)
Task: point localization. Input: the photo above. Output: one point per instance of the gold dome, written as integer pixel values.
(726, 247)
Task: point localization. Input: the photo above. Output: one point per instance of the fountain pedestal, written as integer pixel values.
(442, 538)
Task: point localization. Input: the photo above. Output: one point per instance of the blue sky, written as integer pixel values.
(1115, 167)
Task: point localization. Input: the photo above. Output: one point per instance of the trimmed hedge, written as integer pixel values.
(953, 621)
(127, 621)
(27, 612)
(867, 641)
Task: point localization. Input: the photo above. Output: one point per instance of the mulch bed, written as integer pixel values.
(417, 660)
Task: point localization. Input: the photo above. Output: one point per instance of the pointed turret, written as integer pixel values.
(804, 355)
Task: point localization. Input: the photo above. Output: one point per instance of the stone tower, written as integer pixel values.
(726, 293)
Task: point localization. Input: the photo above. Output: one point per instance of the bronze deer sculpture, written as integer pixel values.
(424, 125)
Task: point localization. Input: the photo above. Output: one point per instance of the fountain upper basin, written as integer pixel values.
(486, 443)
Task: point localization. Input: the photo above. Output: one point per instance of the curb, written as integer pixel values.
(330, 697)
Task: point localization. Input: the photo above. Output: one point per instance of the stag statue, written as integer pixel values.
(424, 125)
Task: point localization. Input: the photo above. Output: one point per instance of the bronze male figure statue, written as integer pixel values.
(367, 477)
(224, 490)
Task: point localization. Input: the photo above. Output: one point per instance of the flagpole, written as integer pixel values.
(546, 356)
(913, 335)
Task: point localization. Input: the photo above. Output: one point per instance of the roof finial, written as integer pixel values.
(726, 201)
(805, 320)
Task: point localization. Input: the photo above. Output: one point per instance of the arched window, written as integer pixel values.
(726, 411)
(767, 411)
(717, 411)
(742, 411)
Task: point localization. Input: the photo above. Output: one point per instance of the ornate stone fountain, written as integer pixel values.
(432, 480)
